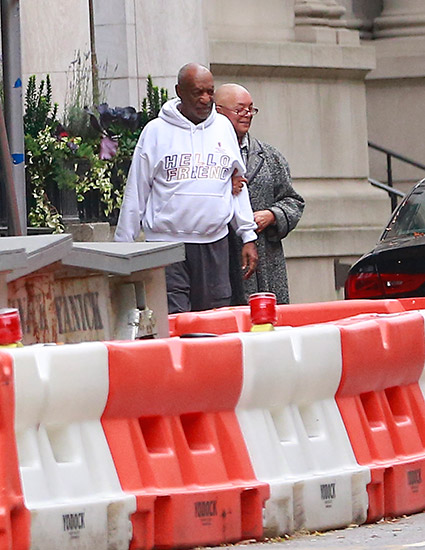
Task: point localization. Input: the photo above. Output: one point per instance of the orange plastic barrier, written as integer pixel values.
(237, 319)
(383, 408)
(15, 519)
(223, 320)
(176, 443)
(297, 315)
(412, 303)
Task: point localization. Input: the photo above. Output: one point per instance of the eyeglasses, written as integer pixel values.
(244, 111)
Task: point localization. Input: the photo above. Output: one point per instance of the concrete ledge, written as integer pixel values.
(40, 251)
(331, 242)
(291, 59)
(399, 58)
(312, 255)
(123, 258)
(342, 204)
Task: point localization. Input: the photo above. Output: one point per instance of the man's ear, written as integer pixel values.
(177, 88)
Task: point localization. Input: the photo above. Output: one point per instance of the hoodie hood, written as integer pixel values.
(171, 114)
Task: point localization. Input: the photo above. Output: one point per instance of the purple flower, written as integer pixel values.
(108, 148)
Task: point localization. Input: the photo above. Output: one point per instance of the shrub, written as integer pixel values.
(95, 162)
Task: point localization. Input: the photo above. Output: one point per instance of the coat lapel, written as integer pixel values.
(255, 158)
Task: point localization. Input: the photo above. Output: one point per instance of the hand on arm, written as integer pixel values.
(249, 259)
(237, 182)
(264, 218)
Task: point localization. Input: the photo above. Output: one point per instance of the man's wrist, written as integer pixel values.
(249, 237)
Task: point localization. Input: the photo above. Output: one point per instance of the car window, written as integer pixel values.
(409, 218)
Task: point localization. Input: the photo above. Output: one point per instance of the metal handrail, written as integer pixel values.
(385, 187)
(389, 187)
(403, 158)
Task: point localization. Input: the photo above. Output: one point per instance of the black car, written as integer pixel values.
(395, 268)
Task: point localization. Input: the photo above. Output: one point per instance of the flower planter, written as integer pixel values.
(90, 209)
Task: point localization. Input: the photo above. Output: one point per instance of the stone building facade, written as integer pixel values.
(327, 76)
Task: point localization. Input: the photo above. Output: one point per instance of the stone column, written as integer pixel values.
(400, 18)
(249, 21)
(138, 38)
(320, 21)
(317, 12)
(334, 13)
(360, 15)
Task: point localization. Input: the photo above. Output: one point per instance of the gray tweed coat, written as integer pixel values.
(270, 188)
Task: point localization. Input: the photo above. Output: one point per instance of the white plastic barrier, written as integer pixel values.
(294, 432)
(69, 479)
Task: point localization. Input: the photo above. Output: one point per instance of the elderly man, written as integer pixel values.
(179, 189)
(277, 207)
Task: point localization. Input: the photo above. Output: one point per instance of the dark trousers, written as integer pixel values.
(202, 280)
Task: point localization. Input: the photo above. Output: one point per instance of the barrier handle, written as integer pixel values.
(198, 335)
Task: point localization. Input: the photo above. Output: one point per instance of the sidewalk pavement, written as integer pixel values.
(405, 533)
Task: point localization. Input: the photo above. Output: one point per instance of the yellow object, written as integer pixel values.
(262, 328)
(13, 345)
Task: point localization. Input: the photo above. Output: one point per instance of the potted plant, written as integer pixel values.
(79, 177)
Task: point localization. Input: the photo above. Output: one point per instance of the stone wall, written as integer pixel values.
(321, 92)
(310, 89)
(52, 35)
(396, 90)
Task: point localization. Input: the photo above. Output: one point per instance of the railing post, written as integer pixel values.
(393, 197)
(389, 154)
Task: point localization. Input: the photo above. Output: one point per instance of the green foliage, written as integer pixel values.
(153, 102)
(49, 162)
(72, 156)
(40, 112)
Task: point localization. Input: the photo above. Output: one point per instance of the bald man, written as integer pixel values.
(277, 207)
(179, 189)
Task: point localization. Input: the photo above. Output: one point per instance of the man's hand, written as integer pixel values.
(249, 259)
(263, 218)
(237, 182)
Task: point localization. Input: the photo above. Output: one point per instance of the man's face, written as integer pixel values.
(197, 95)
(242, 102)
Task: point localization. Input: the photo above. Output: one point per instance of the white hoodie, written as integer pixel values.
(179, 183)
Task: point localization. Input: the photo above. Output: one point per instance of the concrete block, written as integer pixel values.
(90, 232)
(346, 37)
(314, 34)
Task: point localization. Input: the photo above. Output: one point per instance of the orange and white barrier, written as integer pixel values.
(184, 442)
(237, 319)
(380, 397)
(383, 407)
(69, 480)
(294, 432)
(171, 426)
(15, 519)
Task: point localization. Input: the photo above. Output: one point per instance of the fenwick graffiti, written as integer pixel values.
(67, 310)
(33, 296)
(79, 312)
